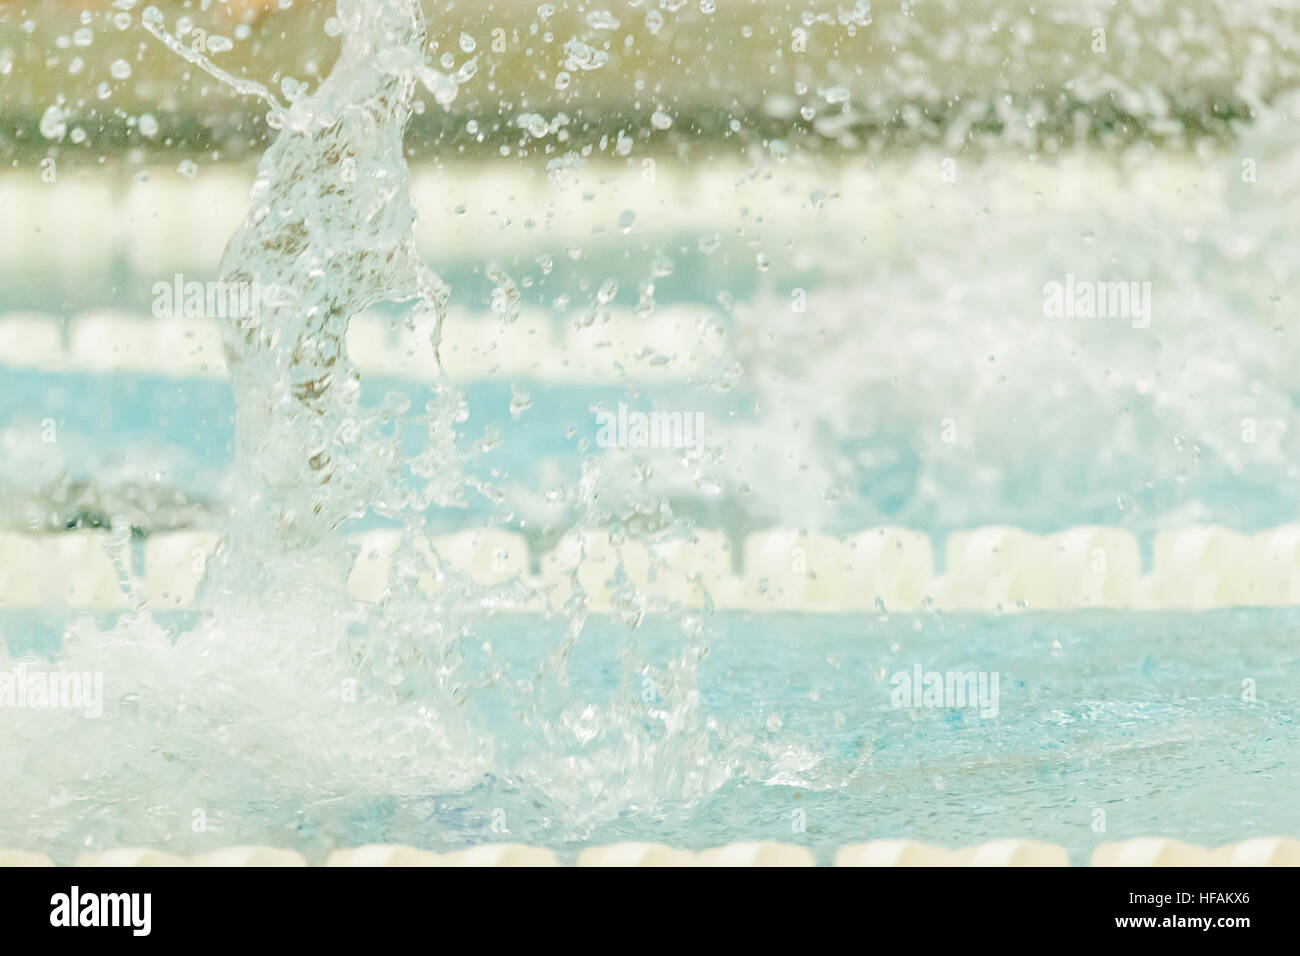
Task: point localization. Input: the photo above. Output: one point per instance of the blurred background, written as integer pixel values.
(828, 226)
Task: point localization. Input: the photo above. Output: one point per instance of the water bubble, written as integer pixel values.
(534, 123)
(84, 37)
(562, 80)
(625, 220)
(708, 7)
(148, 125)
(661, 120)
(219, 44)
(54, 123)
(583, 56)
(602, 20)
(187, 168)
(119, 70)
(467, 44)
(520, 401)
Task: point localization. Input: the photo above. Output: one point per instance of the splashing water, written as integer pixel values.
(289, 712)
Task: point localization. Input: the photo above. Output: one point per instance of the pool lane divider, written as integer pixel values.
(992, 569)
(1140, 851)
(676, 343)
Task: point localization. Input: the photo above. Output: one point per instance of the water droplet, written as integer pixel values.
(602, 20)
(583, 56)
(625, 219)
(520, 402)
(54, 123)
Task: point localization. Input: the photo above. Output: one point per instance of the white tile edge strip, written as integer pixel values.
(993, 569)
(1140, 851)
(667, 346)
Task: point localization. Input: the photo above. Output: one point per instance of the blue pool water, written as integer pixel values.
(1108, 726)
